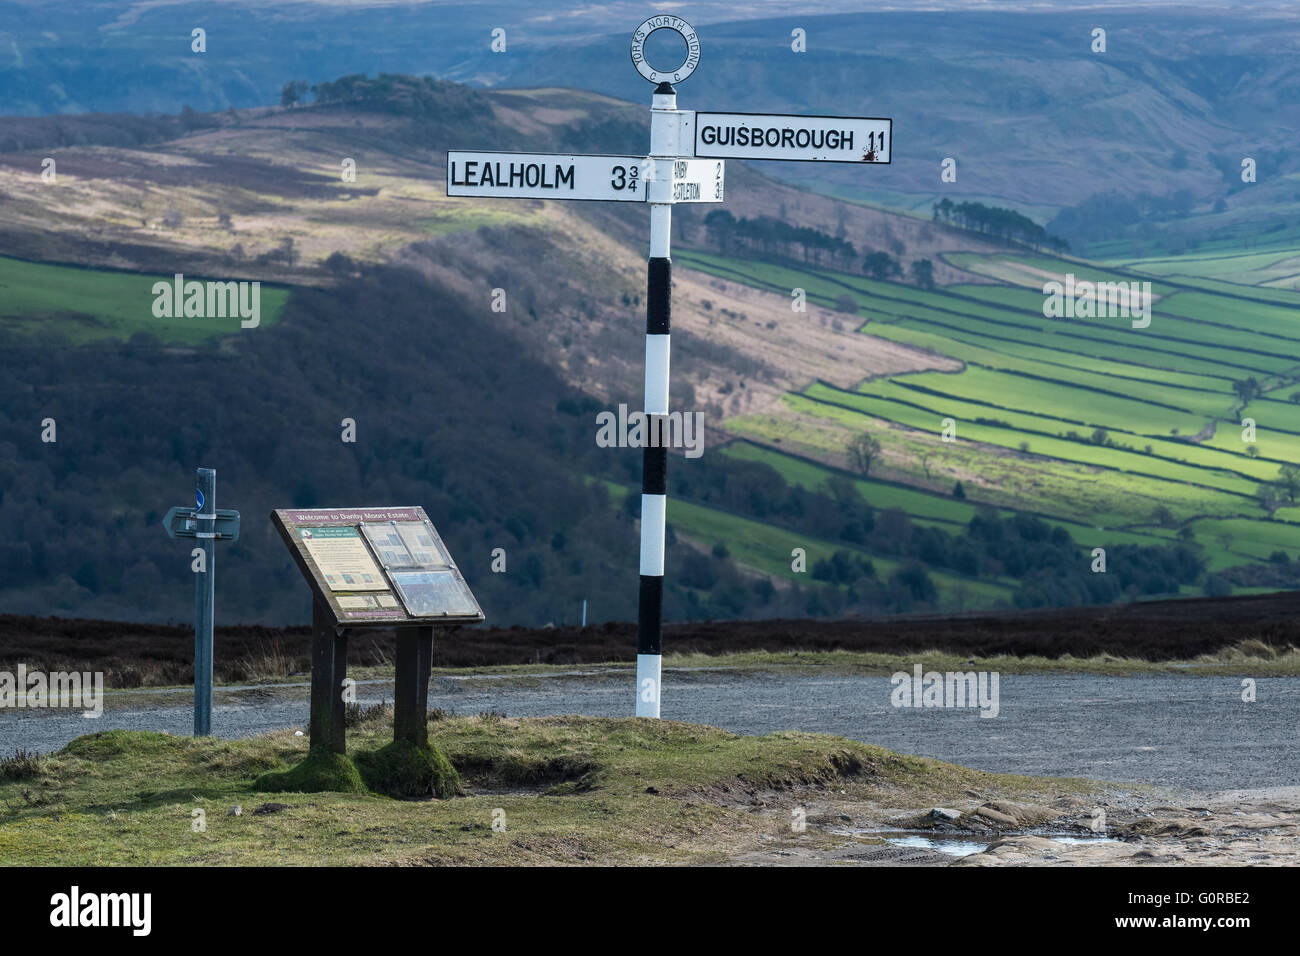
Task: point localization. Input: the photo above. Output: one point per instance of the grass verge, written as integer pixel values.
(551, 790)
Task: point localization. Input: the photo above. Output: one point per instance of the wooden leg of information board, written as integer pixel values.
(328, 668)
(411, 695)
(339, 708)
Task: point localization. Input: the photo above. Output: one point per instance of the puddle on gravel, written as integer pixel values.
(964, 844)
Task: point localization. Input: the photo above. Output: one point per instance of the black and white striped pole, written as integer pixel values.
(686, 164)
(665, 128)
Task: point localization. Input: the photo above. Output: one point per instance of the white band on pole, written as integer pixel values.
(661, 228)
(654, 514)
(658, 350)
(648, 682)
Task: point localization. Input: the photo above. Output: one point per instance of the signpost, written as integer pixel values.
(184, 523)
(206, 525)
(373, 567)
(686, 163)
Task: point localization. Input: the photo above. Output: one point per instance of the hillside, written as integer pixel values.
(1129, 152)
(1032, 114)
(378, 309)
(1121, 436)
(258, 196)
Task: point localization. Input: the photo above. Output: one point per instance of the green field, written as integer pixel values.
(1279, 267)
(923, 507)
(1252, 539)
(767, 548)
(1089, 423)
(93, 305)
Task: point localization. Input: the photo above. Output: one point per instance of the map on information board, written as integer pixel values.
(343, 558)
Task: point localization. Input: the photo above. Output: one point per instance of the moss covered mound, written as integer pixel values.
(404, 770)
(318, 773)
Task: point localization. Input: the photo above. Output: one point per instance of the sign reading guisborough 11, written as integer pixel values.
(826, 139)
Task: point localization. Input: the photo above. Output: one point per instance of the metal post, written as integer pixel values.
(654, 468)
(204, 598)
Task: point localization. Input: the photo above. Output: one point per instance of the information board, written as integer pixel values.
(377, 567)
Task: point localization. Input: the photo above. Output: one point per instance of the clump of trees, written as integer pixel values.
(881, 265)
(777, 238)
(416, 96)
(1248, 389)
(1107, 214)
(767, 237)
(1005, 224)
(1283, 490)
(1286, 486)
(291, 93)
(922, 271)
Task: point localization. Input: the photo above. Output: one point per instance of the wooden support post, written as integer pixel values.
(339, 707)
(327, 725)
(411, 693)
(423, 662)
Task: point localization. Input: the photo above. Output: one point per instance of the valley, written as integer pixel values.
(1115, 436)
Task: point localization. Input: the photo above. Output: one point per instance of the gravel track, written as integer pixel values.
(1180, 731)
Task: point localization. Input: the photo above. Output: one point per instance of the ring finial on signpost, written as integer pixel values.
(683, 30)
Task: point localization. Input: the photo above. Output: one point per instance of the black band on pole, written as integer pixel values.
(654, 469)
(658, 312)
(650, 614)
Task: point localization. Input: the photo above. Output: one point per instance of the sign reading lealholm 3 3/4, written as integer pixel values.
(545, 176)
(826, 139)
(560, 176)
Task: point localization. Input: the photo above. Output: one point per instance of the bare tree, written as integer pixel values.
(863, 450)
(1289, 479)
